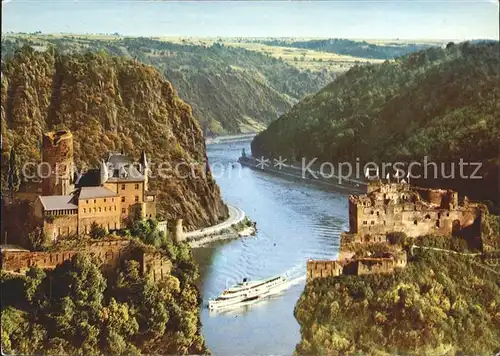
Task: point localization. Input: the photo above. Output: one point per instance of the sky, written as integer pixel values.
(384, 19)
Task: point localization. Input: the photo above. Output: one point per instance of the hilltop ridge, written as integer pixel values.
(439, 103)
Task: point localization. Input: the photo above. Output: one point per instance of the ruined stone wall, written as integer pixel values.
(109, 252)
(323, 269)
(155, 266)
(57, 152)
(414, 218)
(443, 198)
(375, 266)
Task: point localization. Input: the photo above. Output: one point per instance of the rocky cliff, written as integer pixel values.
(230, 89)
(110, 103)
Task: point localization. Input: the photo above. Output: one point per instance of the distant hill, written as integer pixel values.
(440, 103)
(230, 89)
(361, 49)
(110, 104)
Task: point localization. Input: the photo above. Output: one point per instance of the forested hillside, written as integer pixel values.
(440, 103)
(110, 104)
(440, 304)
(76, 310)
(230, 89)
(361, 49)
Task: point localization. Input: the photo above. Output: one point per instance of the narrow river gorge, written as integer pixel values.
(296, 221)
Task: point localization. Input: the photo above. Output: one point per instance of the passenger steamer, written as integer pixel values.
(248, 291)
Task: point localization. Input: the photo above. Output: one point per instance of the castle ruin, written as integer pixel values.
(392, 207)
(397, 207)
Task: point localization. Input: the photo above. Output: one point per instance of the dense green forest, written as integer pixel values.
(230, 89)
(110, 104)
(440, 103)
(361, 49)
(76, 310)
(440, 304)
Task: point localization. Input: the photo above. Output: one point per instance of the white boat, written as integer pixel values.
(247, 291)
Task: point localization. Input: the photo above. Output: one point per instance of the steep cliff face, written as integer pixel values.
(110, 103)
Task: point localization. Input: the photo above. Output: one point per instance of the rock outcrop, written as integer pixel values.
(110, 104)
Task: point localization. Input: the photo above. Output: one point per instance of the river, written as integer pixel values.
(296, 221)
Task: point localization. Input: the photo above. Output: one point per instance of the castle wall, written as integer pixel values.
(55, 227)
(396, 207)
(156, 266)
(375, 266)
(323, 269)
(110, 252)
(443, 198)
(150, 207)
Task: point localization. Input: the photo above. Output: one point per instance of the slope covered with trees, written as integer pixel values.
(440, 304)
(440, 103)
(230, 89)
(76, 310)
(361, 49)
(110, 104)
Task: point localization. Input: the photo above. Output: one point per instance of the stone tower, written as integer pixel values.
(57, 162)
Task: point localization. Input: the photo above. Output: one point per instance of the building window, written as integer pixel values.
(99, 209)
(123, 186)
(373, 222)
(415, 222)
(95, 201)
(113, 200)
(105, 209)
(86, 201)
(104, 199)
(123, 199)
(84, 210)
(95, 210)
(137, 187)
(136, 198)
(115, 208)
(364, 222)
(123, 211)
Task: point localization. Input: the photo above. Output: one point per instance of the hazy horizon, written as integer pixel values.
(403, 19)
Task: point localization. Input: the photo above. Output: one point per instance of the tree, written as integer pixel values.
(13, 179)
(96, 231)
(77, 290)
(37, 239)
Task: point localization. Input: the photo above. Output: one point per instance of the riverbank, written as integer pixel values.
(229, 138)
(221, 231)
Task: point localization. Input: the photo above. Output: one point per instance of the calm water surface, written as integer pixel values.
(295, 221)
